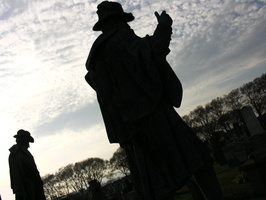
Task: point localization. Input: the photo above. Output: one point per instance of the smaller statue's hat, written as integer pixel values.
(24, 134)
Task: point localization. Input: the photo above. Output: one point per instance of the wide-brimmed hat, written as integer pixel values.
(24, 134)
(107, 10)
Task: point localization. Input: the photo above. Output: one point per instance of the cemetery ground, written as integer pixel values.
(233, 183)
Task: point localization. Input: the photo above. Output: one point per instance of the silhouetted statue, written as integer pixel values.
(25, 179)
(137, 91)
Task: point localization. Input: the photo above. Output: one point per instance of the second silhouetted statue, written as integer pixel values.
(26, 182)
(137, 91)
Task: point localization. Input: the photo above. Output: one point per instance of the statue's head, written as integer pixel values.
(108, 10)
(24, 136)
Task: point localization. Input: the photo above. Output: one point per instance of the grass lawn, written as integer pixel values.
(230, 189)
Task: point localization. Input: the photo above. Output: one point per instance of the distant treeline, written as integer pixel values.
(223, 113)
(76, 177)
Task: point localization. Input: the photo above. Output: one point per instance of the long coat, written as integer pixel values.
(25, 179)
(137, 91)
(130, 76)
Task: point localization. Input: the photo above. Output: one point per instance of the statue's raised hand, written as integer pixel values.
(164, 18)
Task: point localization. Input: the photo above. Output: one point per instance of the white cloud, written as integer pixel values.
(67, 146)
(44, 56)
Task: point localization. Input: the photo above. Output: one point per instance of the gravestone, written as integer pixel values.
(255, 167)
(257, 134)
(251, 121)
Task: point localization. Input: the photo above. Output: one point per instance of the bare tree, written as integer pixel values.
(234, 102)
(255, 93)
(188, 120)
(201, 121)
(78, 176)
(94, 168)
(119, 163)
(49, 185)
(217, 113)
(64, 175)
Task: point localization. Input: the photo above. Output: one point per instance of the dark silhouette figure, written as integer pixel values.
(25, 179)
(97, 193)
(137, 91)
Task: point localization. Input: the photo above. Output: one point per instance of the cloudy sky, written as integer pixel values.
(217, 45)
